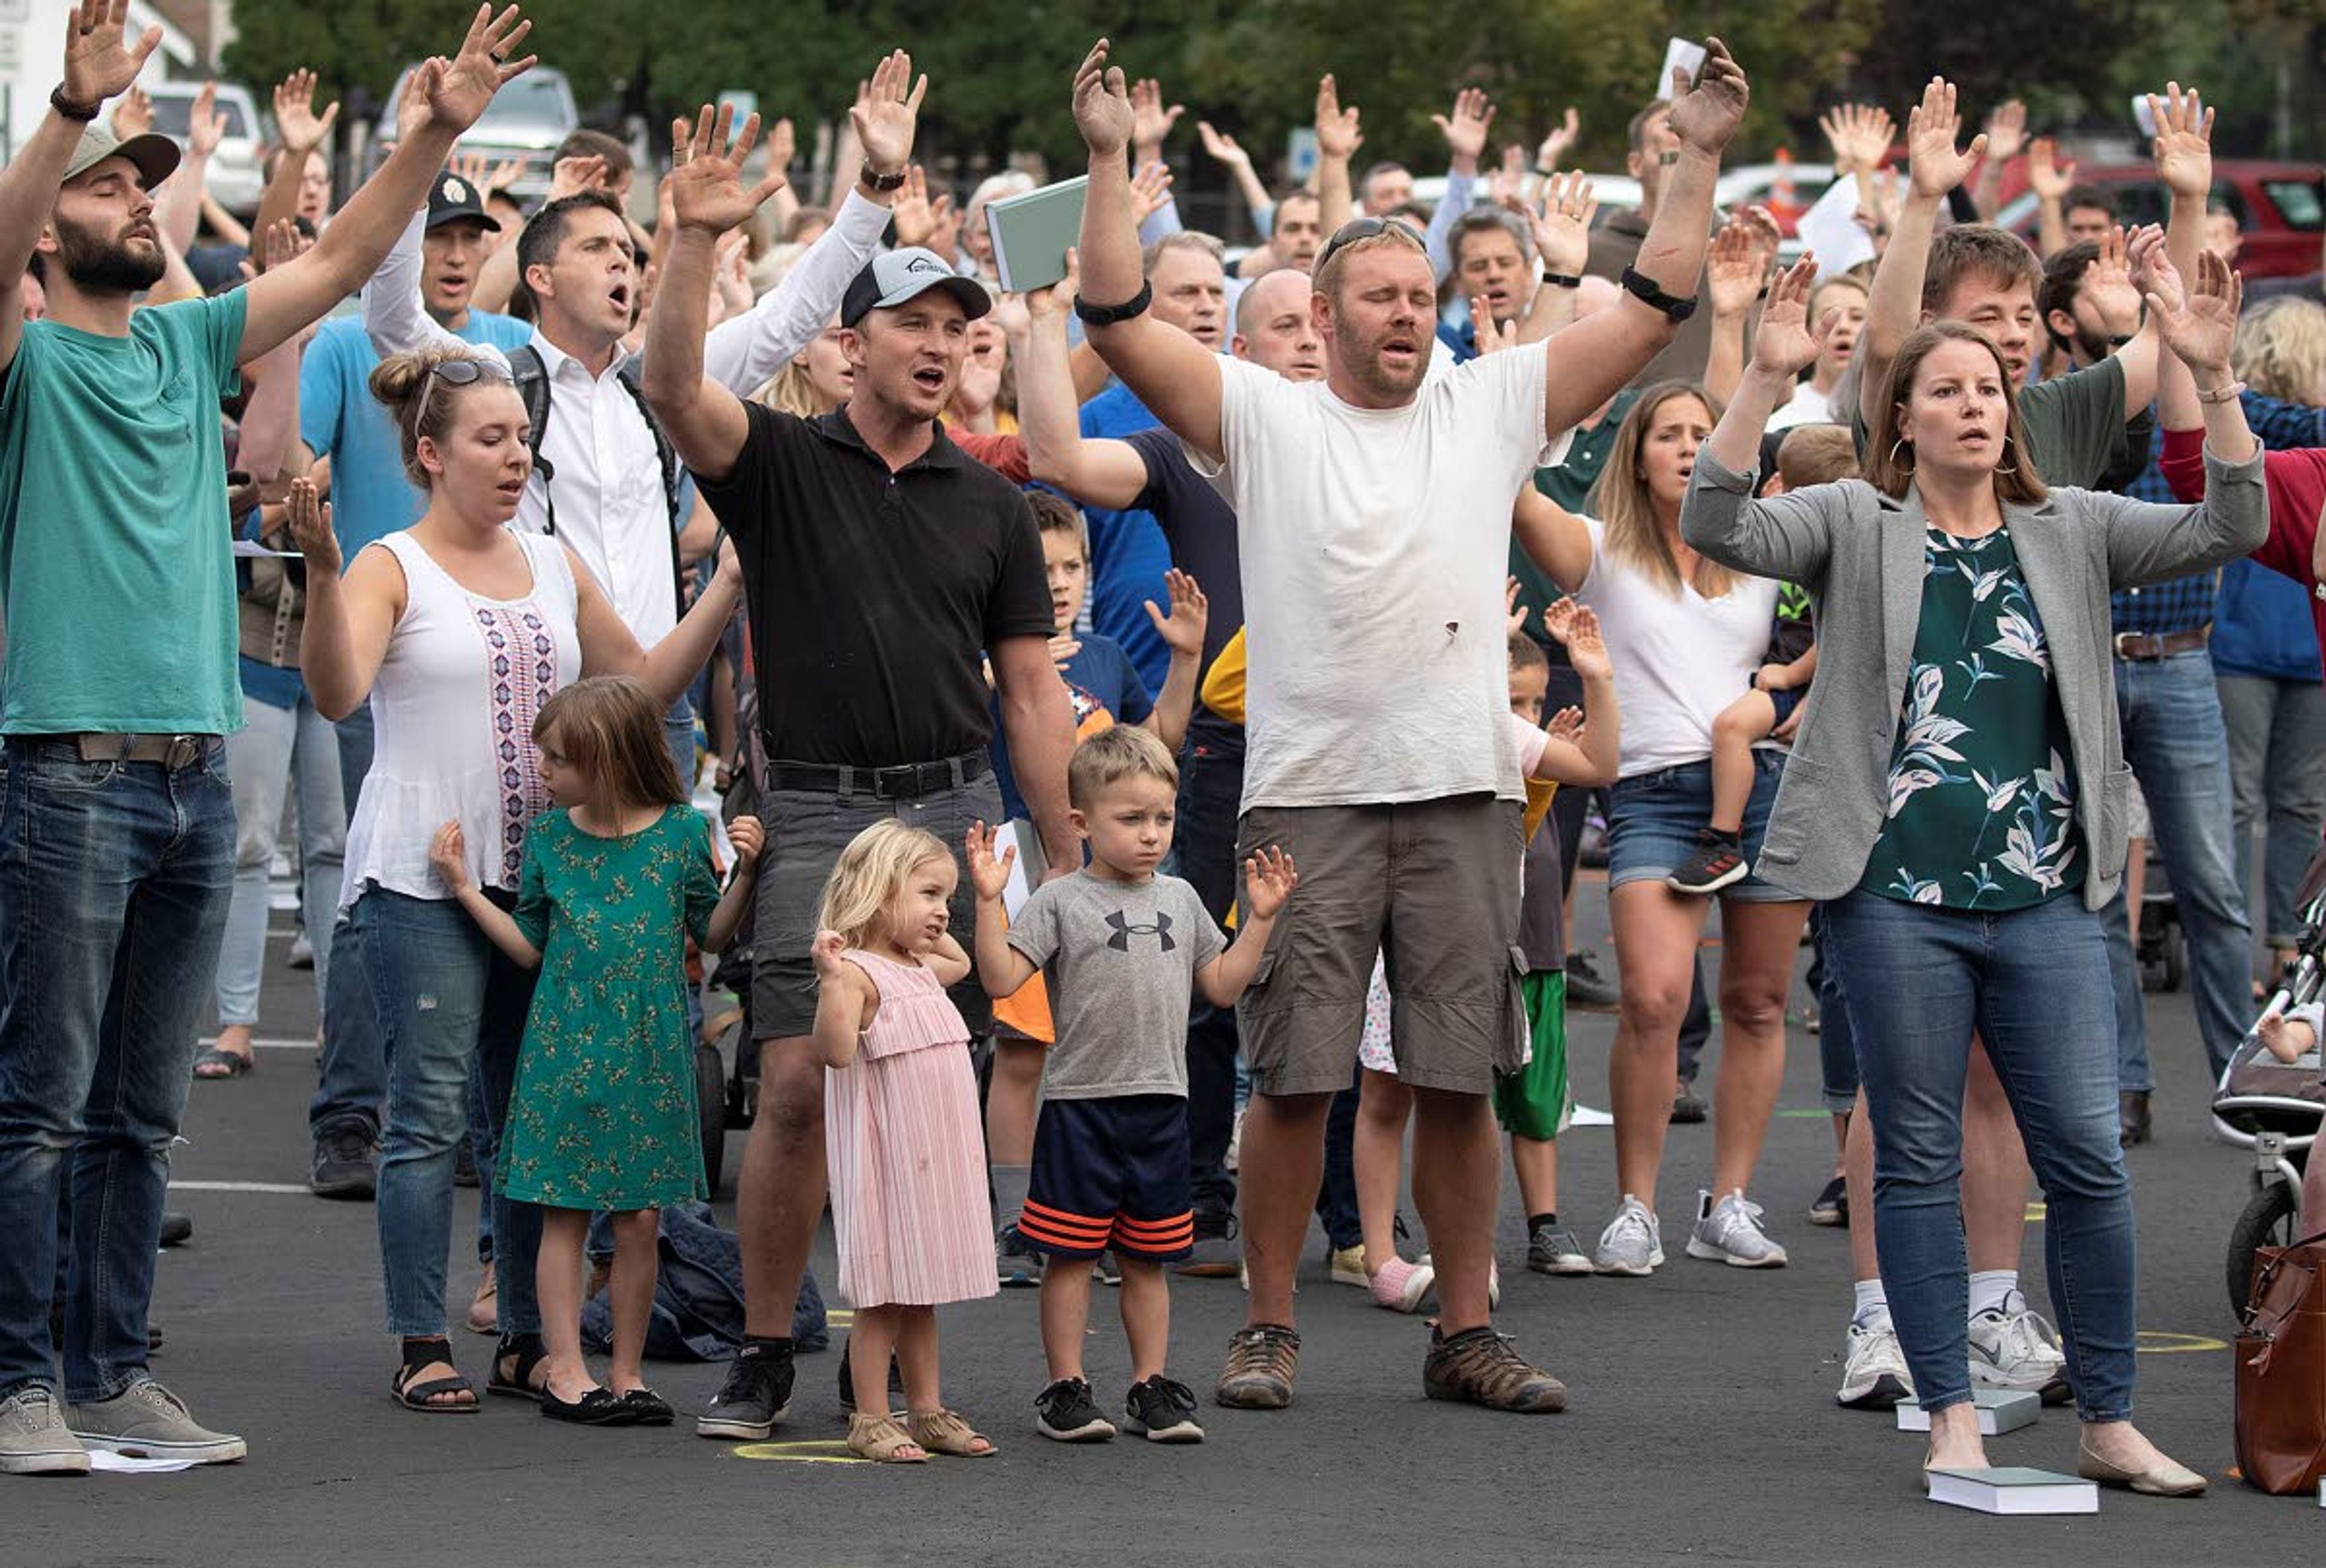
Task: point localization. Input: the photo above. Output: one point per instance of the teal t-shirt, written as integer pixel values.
(116, 563)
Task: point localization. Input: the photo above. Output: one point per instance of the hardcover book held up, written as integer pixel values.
(1032, 233)
(2000, 1410)
(2015, 1490)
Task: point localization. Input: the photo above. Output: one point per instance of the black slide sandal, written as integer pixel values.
(420, 1397)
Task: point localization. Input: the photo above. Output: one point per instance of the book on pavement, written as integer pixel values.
(2015, 1490)
(2000, 1410)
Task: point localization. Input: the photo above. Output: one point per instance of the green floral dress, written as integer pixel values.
(1982, 809)
(603, 1115)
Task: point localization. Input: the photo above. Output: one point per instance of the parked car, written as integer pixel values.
(1611, 190)
(2279, 205)
(235, 178)
(1786, 189)
(526, 120)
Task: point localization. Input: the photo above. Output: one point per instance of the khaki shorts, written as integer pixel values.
(1433, 885)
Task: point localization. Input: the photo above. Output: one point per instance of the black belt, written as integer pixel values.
(907, 782)
(2143, 646)
(172, 751)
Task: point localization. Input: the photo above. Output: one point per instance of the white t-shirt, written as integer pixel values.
(1375, 544)
(1679, 660)
(1808, 405)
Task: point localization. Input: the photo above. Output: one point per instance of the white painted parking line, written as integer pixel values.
(300, 1188)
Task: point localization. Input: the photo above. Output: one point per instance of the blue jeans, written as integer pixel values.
(351, 1092)
(444, 996)
(114, 884)
(280, 751)
(1837, 1047)
(2034, 985)
(2173, 737)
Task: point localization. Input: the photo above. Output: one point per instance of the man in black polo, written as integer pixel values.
(879, 564)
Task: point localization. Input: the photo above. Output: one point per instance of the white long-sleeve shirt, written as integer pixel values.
(607, 483)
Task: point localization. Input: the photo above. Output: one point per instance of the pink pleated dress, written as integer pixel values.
(907, 1151)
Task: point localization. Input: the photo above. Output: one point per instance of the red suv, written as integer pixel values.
(2278, 206)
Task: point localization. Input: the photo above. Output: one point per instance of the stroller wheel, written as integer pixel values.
(2267, 1221)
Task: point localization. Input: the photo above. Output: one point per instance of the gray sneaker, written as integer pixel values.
(33, 1437)
(146, 1421)
(1018, 1264)
(1729, 1232)
(1554, 1249)
(1632, 1243)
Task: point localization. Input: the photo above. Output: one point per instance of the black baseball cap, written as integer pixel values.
(890, 280)
(452, 199)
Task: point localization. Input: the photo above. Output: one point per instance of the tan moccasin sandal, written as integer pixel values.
(946, 1432)
(880, 1439)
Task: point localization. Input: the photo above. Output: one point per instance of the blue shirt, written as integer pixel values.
(339, 419)
(1105, 690)
(1129, 554)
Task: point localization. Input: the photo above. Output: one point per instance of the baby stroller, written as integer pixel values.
(727, 1067)
(2274, 1108)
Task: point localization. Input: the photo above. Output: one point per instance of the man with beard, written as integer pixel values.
(1375, 517)
(881, 566)
(116, 828)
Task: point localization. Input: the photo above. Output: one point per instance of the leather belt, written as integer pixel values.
(172, 751)
(2146, 645)
(907, 782)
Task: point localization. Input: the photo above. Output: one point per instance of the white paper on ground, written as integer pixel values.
(1679, 54)
(1829, 230)
(1585, 1117)
(105, 1459)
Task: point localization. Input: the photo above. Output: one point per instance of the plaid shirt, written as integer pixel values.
(2186, 603)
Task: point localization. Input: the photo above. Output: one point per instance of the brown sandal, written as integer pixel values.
(880, 1439)
(946, 1432)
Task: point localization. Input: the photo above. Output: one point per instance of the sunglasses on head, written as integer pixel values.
(1358, 228)
(458, 372)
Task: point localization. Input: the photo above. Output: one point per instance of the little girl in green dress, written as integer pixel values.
(615, 879)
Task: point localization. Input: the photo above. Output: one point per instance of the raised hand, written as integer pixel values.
(1337, 135)
(448, 852)
(1507, 183)
(1182, 630)
(466, 83)
(886, 115)
(1222, 148)
(1150, 187)
(1561, 140)
(988, 874)
(1558, 617)
(1151, 122)
(1586, 650)
(133, 115)
(825, 950)
(1064, 646)
(1878, 214)
(1103, 111)
(2049, 175)
(1514, 617)
(1269, 879)
(1565, 725)
(412, 111)
(749, 837)
(2198, 326)
(1705, 115)
(572, 176)
(205, 126)
(1562, 226)
(1859, 136)
(1491, 337)
(2108, 282)
(1933, 163)
(284, 242)
(308, 519)
(1783, 345)
(917, 216)
(2006, 131)
(1056, 300)
(1735, 269)
(503, 176)
(783, 144)
(2183, 148)
(1464, 127)
(706, 179)
(99, 60)
(297, 125)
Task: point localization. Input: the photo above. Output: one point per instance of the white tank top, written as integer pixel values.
(452, 711)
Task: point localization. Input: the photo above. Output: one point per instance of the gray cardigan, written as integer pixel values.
(1860, 555)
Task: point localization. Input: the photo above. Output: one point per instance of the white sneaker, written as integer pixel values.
(1633, 1242)
(1729, 1232)
(2013, 1347)
(1874, 1375)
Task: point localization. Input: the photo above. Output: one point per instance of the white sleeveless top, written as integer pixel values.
(452, 711)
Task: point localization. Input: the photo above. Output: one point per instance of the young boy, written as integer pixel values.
(1105, 689)
(1122, 947)
(1810, 454)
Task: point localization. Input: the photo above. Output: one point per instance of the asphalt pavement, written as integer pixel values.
(1702, 1425)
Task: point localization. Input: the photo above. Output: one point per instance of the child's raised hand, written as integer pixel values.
(988, 872)
(825, 950)
(1566, 725)
(1579, 632)
(1517, 616)
(749, 837)
(449, 854)
(1269, 879)
(1182, 630)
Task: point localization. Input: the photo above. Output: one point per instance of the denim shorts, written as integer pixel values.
(1653, 820)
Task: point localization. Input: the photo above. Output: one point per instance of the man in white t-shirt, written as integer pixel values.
(1374, 516)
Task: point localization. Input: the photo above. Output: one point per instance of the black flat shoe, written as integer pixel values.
(650, 1408)
(597, 1407)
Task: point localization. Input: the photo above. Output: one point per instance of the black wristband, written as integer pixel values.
(1644, 289)
(84, 113)
(1562, 281)
(1108, 315)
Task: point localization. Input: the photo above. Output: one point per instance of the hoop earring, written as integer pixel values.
(1893, 456)
(2013, 469)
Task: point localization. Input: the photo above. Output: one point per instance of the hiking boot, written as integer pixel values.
(1480, 1366)
(1165, 1411)
(146, 1421)
(757, 1395)
(1261, 1361)
(33, 1437)
(1553, 1248)
(1717, 861)
(1218, 1255)
(1729, 1232)
(1066, 1412)
(347, 1164)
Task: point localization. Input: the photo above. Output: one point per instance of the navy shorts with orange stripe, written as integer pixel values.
(1111, 1174)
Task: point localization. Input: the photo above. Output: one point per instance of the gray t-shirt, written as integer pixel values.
(1120, 959)
(2074, 422)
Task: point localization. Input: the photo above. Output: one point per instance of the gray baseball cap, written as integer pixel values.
(156, 156)
(888, 281)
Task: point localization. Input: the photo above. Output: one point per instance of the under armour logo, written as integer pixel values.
(1123, 931)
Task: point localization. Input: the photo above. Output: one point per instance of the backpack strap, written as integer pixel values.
(532, 379)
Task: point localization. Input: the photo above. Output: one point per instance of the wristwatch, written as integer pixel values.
(70, 110)
(1644, 289)
(881, 183)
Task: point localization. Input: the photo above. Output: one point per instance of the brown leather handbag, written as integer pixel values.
(2281, 1418)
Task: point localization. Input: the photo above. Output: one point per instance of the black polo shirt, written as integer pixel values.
(873, 595)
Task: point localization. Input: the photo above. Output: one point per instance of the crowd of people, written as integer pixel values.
(1183, 690)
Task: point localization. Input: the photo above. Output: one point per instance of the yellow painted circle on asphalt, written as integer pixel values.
(806, 1450)
(2156, 1342)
